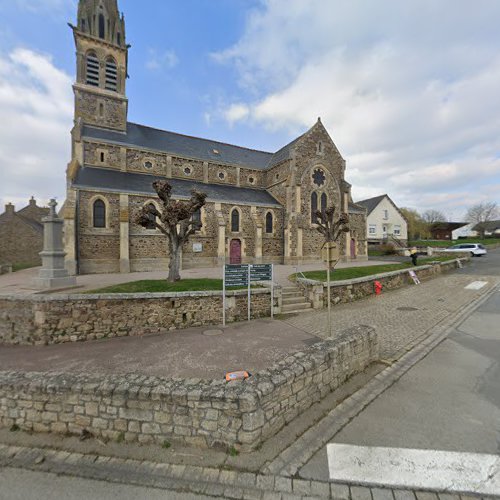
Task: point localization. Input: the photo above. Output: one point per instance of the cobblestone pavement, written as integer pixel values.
(400, 317)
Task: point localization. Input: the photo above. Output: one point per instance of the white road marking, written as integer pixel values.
(471, 473)
(476, 285)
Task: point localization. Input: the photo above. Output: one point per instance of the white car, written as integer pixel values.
(475, 249)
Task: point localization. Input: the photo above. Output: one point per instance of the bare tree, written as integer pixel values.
(481, 214)
(175, 220)
(417, 227)
(432, 216)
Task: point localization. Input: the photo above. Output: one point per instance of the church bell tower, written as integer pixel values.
(102, 57)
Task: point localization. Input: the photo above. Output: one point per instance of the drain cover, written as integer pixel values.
(408, 309)
(212, 333)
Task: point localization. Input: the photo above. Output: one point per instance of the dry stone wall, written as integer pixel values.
(41, 320)
(145, 409)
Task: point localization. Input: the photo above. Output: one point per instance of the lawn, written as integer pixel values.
(446, 244)
(21, 267)
(161, 286)
(360, 272)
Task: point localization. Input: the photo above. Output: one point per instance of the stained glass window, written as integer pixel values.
(319, 177)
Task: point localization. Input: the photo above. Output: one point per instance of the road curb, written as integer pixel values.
(296, 456)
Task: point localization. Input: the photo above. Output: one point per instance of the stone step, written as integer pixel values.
(294, 294)
(300, 307)
(293, 300)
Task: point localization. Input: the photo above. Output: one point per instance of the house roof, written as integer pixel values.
(355, 208)
(191, 147)
(492, 225)
(448, 226)
(126, 182)
(6, 218)
(371, 203)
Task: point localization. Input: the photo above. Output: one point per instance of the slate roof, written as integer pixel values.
(126, 182)
(371, 203)
(192, 147)
(448, 226)
(354, 208)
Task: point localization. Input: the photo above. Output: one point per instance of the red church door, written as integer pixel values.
(235, 252)
(353, 249)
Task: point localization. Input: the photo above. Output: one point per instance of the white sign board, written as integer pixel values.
(414, 277)
(197, 247)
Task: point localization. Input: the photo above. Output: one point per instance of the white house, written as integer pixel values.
(466, 231)
(385, 222)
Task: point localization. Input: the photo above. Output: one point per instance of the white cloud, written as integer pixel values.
(408, 90)
(161, 60)
(36, 118)
(237, 112)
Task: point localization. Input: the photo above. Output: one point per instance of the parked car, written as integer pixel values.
(475, 249)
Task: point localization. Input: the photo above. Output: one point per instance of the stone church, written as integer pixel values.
(260, 204)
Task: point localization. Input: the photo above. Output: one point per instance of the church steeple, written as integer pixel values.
(101, 19)
(102, 59)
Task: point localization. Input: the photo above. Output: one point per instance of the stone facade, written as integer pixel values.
(116, 162)
(144, 409)
(21, 234)
(42, 320)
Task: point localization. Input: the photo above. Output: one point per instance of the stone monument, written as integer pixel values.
(53, 274)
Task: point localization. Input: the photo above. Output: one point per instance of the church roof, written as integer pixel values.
(183, 145)
(126, 182)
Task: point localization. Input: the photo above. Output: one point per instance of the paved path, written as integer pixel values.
(450, 401)
(20, 282)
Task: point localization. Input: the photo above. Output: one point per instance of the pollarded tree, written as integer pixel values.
(329, 227)
(175, 221)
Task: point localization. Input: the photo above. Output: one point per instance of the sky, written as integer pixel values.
(408, 90)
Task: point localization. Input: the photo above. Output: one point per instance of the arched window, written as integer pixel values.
(111, 75)
(235, 221)
(314, 207)
(269, 223)
(102, 26)
(324, 203)
(92, 69)
(151, 217)
(99, 214)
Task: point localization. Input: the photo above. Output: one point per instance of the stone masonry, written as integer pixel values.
(191, 412)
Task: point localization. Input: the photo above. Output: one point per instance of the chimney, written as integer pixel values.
(9, 208)
(32, 202)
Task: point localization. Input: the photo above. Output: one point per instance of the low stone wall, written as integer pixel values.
(54, 319)
(191, 412)
(355, 289)
(5, 268)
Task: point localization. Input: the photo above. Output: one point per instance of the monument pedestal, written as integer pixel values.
(53, 274)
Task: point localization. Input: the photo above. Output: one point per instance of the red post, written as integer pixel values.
(378, 287)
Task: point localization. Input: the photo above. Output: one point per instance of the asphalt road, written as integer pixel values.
(450, 401)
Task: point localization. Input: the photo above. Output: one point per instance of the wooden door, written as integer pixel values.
(235, 252)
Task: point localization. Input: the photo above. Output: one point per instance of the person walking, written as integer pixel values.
(414, 256)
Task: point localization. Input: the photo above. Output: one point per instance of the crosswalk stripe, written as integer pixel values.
(467, 473)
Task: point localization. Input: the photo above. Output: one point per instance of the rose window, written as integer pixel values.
(319, 177)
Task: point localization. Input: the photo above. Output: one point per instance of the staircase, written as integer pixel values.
(294, 301)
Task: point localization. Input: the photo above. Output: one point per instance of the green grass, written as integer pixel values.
(21, 267)
(446, 244)
(162, 286)
(360, 272)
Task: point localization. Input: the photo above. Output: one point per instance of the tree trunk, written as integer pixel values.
(175, 262)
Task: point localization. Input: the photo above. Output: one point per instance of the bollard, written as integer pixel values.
(378, 287)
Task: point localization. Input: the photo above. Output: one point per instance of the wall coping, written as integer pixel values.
(131, 296)
(372, 277)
